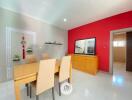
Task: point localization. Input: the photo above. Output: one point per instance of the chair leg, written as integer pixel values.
(68, 80)
(53, 94)
(27, 89)
(37, 97)
(30, 91)
(59, 89)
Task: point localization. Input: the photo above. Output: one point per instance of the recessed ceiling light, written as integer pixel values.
(65, 20)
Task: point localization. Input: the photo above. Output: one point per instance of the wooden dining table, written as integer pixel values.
(27, 73)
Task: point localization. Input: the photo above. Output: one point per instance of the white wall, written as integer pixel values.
(44, 33)
(2, 55)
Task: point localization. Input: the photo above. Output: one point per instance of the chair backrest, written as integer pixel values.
(45, 78)
(65, 68)
(45, 56)
(31, 59)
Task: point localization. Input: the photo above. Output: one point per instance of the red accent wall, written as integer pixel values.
(101, 30)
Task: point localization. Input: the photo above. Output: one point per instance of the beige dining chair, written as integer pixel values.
(64, 73)
(30, 59)
(45, 78)
(45, 56)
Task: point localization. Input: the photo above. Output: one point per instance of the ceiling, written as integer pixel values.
(77, 12)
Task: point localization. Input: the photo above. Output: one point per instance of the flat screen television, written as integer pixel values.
(85, 46)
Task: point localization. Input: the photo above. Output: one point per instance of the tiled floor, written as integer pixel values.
(85, 87)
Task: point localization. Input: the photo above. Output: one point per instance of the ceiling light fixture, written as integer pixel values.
(65, 20)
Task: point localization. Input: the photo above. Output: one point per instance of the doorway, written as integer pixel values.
(118, 50)
(14, 48)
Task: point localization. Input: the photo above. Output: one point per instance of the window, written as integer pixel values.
(119, 43)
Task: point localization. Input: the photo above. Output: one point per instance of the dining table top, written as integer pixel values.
(25, 70)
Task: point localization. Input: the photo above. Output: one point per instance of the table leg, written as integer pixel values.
(17, 91)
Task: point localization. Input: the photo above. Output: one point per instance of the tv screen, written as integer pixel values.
(85, 46)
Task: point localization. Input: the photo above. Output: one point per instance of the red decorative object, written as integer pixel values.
(23, 42)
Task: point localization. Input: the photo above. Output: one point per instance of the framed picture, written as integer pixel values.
(85, 46)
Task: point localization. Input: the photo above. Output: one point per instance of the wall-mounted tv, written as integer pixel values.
(85, 46)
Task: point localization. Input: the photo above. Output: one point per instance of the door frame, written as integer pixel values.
(111, 46)
(8, 32)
